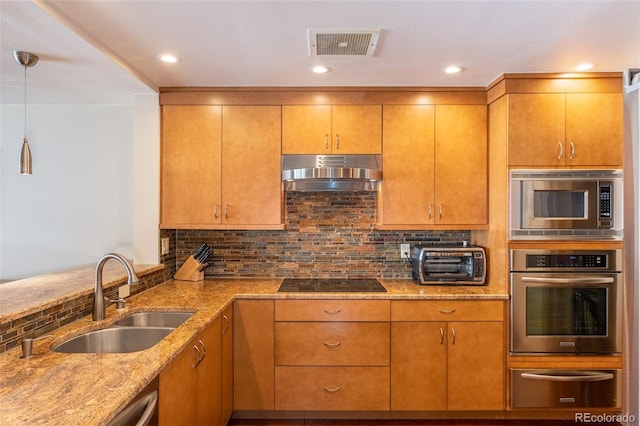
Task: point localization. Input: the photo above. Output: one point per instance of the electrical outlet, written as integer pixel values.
(165, 246)
(404, 251)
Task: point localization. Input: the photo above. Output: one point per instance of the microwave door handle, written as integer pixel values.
(597, 377)
(582, 280)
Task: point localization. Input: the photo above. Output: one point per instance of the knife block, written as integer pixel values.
(191, 270)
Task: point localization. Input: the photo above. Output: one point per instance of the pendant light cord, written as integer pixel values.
(25, 102)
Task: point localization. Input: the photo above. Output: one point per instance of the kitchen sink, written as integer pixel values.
(114, 340)
(155, 319)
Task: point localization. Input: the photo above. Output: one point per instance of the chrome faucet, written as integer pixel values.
(98, 296)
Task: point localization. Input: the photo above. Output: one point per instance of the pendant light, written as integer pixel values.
(27, 60)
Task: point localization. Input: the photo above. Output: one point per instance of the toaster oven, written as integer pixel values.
(459, 265)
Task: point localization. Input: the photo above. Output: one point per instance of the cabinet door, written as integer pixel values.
(251, 177)
(419, 366)
(253, 356)
(190, 175)
(209, 375)
(356, 129)
(461, 164)
(594, 127)
(178, 393)
(536, 129)
(408, 165)
(306, 129)
(227, 364)
(475, 366)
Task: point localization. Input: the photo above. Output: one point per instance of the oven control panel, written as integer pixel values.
(566, 261)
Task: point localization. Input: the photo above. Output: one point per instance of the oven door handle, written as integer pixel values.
(581, 280)
(593, 377)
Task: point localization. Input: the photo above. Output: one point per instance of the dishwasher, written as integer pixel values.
(142, 410)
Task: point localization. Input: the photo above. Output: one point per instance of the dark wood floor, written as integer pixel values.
(410, 423)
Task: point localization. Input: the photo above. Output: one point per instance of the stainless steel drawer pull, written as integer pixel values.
(567, 399)
(198, 355)
(573, 151)
(560, 151)
(447, 311)
(227, 324)
(332, 345)
(204, 348)
(332, 311)
(332, 390)
(593, 377)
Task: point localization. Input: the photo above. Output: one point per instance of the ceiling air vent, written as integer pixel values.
(343, 42)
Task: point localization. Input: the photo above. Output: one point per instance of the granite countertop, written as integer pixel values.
(56, 388)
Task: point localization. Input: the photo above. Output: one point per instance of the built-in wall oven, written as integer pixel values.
(566, 301)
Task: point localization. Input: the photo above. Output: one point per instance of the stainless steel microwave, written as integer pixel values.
(566, 204)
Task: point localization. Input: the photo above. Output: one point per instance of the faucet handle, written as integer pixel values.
(27, 345)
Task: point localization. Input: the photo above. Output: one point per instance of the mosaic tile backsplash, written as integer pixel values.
(327, 234)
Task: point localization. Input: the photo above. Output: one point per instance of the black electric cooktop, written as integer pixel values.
(319, 285)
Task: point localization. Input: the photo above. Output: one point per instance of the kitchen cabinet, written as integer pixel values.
(332, 355)
(190, 387)
(464, 343)
(221, 167)
(572, 129)
(190, 171)
(253, 355)
(331, 129)
(227, 364)
(434, 166)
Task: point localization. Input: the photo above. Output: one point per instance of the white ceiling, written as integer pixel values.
(97, 52)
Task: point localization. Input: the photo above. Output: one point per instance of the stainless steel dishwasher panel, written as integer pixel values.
(553, 388)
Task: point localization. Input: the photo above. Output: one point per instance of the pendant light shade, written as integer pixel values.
(27, 60)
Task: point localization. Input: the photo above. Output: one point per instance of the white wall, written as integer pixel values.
(78, 204)
(146, 178)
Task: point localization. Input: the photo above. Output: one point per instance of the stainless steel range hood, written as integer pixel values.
(331, 172)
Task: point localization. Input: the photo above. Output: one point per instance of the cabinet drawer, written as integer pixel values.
(332, 388)
(332, 343)
(447, 310)
(332, 310)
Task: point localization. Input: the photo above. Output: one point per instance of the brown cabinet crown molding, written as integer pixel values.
(323, 96)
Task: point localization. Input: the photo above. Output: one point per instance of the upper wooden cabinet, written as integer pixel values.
(573, 129)
(221, 167)
(327, 129)
(190, 172)
(434, 165)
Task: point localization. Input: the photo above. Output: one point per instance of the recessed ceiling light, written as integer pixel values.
(169, 59)
(453, 69)
(320, 69)
(584, 66)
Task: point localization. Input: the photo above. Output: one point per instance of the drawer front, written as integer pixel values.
(332, 310)
(332, 343)
(447, 310)
(332, 388)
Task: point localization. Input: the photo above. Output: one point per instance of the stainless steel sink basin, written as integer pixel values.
(155, 319)
(114, 340)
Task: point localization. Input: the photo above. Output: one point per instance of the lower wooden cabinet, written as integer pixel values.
(227, 364)
(332, 388)
(190, 387)
(456, 363)
(253, 357)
